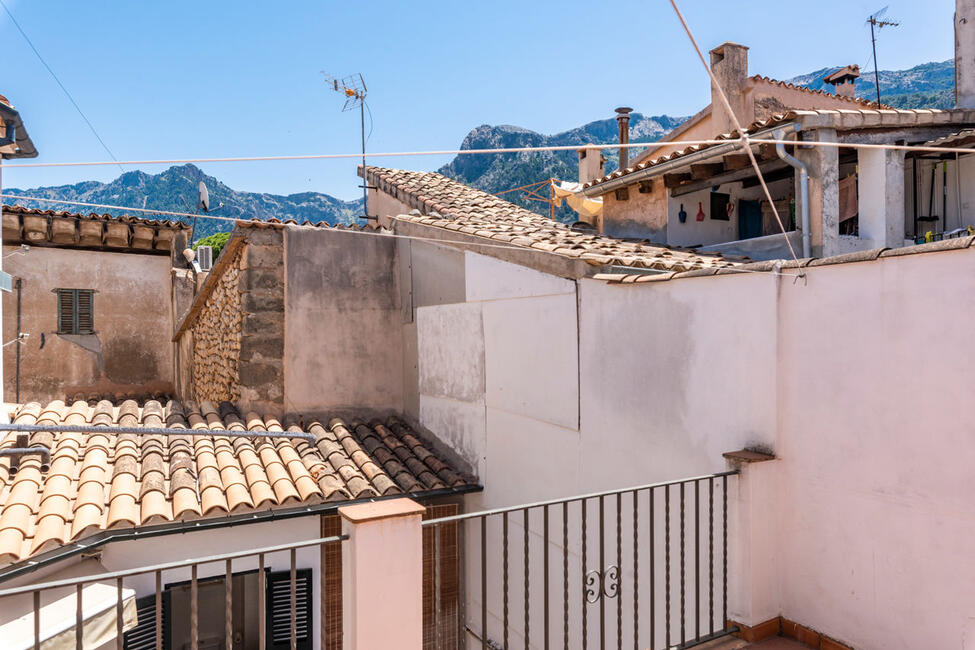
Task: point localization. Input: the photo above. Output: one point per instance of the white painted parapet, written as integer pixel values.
(754, 563)
(382, 575)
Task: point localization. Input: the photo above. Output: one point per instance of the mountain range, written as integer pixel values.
(175, 190)
(929, 85)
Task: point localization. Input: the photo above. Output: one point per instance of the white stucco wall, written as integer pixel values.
(856, 377)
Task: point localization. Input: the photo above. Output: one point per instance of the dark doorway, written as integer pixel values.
(749, 219)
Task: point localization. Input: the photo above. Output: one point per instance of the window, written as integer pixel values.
(75, 311)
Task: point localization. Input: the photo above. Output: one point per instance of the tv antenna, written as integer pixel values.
(353, 88)
(878, 21)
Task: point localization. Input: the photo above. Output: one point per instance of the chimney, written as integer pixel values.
(964, 53)
(623, 119)
(843, 80)
(590, 164)
(729, 63)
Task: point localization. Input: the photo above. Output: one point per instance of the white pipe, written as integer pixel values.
(803, 187)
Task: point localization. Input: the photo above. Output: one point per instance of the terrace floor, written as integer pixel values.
(775, 643)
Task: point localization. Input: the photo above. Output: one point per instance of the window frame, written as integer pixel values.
(75, 297)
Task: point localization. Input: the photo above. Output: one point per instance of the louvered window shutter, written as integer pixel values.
(76, 313)
(143, 635)
(65, 311)
(279, 610)
(85, 318)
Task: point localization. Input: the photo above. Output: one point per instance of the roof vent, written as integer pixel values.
(204, 257)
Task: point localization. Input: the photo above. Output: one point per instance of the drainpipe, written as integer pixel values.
(803, 187)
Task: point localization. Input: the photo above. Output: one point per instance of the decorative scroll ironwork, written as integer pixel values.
(603, 584)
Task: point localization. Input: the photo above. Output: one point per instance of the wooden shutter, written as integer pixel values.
(279, 610)
(331, 605)
(83, 309)
(65, 311)
(143, 635)
(441, 632)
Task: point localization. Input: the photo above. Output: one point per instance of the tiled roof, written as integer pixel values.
(98, 482)
(467, 210)
(770, 266)
(93, 216)
(957, 139)
(841, 119)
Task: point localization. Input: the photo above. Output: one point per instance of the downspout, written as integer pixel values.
(803, 186)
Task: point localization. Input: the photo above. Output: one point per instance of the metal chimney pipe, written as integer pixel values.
(623, 119)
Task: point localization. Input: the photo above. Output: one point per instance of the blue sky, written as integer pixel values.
(182, 79)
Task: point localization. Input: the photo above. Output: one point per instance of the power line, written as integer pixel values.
(469, 152)
(68, 94)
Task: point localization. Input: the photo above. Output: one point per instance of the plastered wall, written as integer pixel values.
(128, 355)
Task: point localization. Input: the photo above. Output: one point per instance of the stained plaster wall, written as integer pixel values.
(129, 353)
(343, 344)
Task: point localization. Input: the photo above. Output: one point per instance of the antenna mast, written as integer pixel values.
(876, 21)
(354, 89)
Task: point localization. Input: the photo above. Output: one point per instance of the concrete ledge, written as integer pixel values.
(746, 456)
(931, 247)
(364, 512)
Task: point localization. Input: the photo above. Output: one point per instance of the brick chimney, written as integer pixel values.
(964, 53)
(623, 120)
(843, 80)
(729, 63)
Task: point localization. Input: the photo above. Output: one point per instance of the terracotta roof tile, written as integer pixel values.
(104, 480)
(471, 211)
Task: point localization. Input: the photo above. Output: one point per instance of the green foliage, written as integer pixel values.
(216, 241)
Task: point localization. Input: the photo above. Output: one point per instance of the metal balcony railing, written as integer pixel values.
(284, 614)
(641, 567)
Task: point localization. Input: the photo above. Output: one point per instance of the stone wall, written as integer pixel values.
(238, 335)
(261, 363)
(217, 338)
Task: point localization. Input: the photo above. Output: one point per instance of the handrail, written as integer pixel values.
(114, 575)
(581, 497)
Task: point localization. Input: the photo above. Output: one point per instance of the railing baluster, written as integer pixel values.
(194, 610)
(294, 601)
(653, 583)
(228, 605)
(119, 611)
(545, 572)
(697, 559)
(504, 562)
(159, 611)
(724, 550)
(602, 567)
(585, 601)
(484, 630)
(667, 563)
(565, 575)
(262, 603)
(37, 620)
(683, 636)
(436, 586)
(636, 570)
(79, 619)
(527, 598)
(711, 552)
(619, 571)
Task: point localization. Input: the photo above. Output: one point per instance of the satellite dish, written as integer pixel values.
(203, 203)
